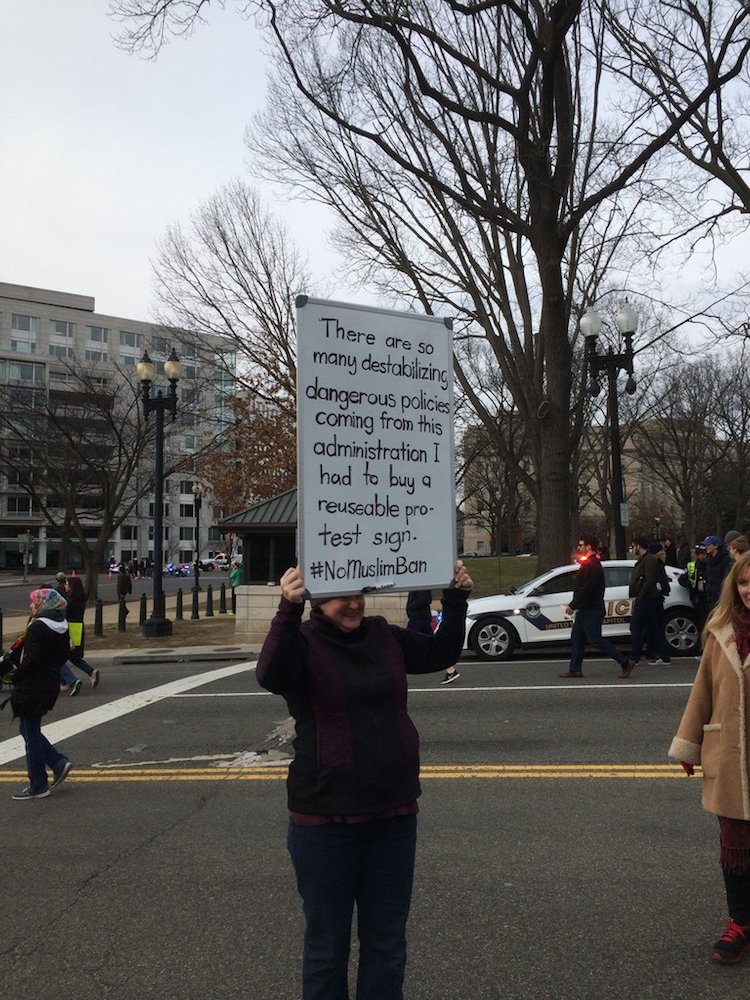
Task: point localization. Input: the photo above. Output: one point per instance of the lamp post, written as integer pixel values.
(612, 364)
(158, 624)
(198, 492)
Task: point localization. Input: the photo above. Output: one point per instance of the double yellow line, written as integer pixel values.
(429, 772)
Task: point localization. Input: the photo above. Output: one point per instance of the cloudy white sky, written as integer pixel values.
(103, 150)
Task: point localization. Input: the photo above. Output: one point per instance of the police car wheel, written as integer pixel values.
(681, 634)
(493, 639)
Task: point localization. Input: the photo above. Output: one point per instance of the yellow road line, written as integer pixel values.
(429, 772)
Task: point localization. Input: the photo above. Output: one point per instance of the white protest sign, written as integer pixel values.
(376, 481)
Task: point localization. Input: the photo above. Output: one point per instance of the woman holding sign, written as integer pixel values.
(354, 782)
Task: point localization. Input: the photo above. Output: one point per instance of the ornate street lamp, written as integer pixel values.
(158, 624)
(198, 491)
(612, 364)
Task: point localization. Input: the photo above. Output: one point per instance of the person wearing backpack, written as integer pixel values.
(36, 685)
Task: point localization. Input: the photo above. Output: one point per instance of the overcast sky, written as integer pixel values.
(103, 150)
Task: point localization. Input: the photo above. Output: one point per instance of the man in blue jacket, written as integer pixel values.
(588, 604)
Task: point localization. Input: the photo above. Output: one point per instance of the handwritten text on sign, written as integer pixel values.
(376, 468)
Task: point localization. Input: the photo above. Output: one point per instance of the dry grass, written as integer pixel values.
(216, 631)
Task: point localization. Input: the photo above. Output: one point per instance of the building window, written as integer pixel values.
(186, 535)
(188, 442)
(61, 351)
(19, 505)
(129, 339)
(95, 355)
(151, 512)
(187, 510)
(159, 345)
(20, 371)
(128, 532)
(62, 328)
(25, 324)
(128, 360)
(97, 334)
(23, 346)
(61, 376)
(186, 486)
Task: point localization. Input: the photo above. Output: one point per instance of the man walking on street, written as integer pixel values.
(644, 591)
(588, 605)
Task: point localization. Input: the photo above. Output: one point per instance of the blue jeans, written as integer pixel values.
(68, 677)
(587, 628)
(40, 754)
(340, 864)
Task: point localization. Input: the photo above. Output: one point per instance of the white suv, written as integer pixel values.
(534, 613)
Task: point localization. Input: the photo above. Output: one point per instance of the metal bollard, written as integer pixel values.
(143, 611)
(121, 613)
(223, 599)
(1, 628)
(209, 601)
(194, 613)
(178, 612)
(98, 617)
(234, 601)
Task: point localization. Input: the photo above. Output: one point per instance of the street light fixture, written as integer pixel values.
(158, 624)
(198, 491)
(612, 364)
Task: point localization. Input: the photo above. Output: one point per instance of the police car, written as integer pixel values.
(534, 614)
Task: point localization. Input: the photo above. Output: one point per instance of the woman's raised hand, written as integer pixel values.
(293, 586)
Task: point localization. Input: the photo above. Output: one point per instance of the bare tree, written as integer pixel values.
(77, 453)
(477, 171)
(254, 459)
(233, 273)
(677, 441)
(477, 177)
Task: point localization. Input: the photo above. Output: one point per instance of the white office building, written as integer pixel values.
(45, 337)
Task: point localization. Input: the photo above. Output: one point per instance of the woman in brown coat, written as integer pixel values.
(714, 732)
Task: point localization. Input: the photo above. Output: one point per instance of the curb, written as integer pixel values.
(230, 655)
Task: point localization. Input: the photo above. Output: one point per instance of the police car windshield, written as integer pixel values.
(526, 587)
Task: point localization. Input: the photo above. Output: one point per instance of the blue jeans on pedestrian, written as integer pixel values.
(340, 864)
(68, 677)
(644, 627)
(587, 629)
(40, 754)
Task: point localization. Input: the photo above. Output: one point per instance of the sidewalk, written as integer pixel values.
(13, 625)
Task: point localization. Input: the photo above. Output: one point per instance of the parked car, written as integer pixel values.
(534, 613)
(218, 562)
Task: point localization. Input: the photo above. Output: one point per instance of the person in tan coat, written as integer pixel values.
(714, 732)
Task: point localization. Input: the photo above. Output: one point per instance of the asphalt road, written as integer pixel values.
(14, 595)
(560, 854)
